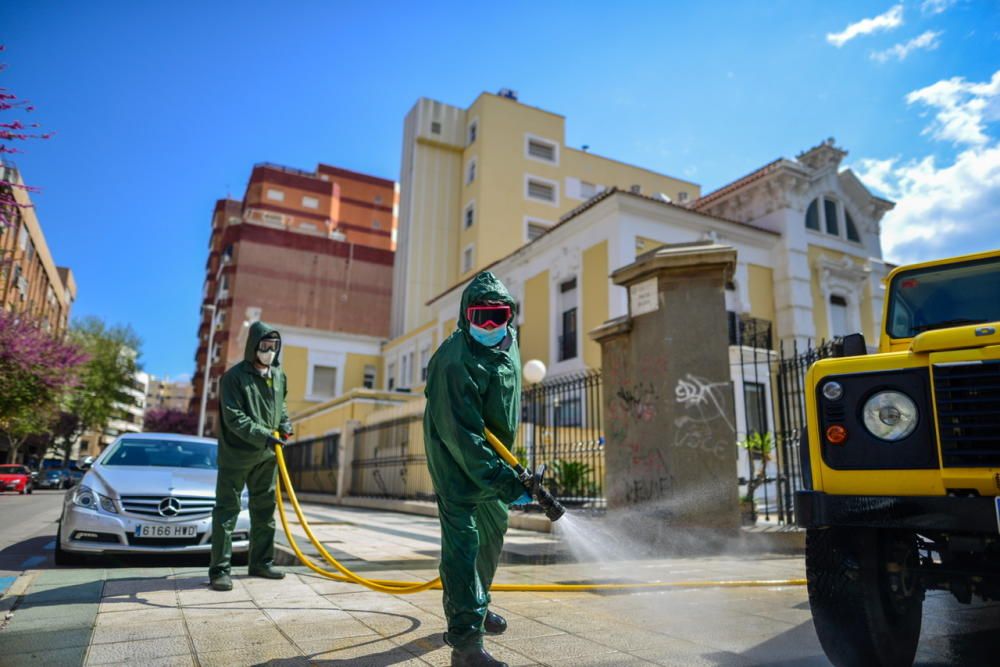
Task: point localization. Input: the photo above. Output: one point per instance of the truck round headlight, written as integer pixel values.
(890, 415)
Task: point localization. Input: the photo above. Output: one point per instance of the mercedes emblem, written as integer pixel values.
(170, 507)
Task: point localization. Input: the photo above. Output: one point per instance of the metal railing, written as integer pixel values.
(313, 464)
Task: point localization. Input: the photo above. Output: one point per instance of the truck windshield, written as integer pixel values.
(944, 296)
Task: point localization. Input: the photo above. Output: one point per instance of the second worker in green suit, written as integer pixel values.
(251, 409)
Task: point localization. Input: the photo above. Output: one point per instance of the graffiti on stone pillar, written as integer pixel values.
(704, 415)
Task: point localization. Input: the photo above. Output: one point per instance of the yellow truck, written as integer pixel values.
(902, 463)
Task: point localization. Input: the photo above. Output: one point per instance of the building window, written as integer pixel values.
(542, 149)
(852, 229)
(682, 197)
(378, 199)
(435, 127)
(473, 131)
(405, 368)
(812, 215)
(534, 229)
(469, 218)
(273, 218)
(467, 259)
(541, 190)
(369, 379)
(830, 209)
(324, 381)
(276, 195)
(376, 224)
(587, 190)
(425, 359)
(755, 400)
(470, 171)
(839, 325)
(567, 412)
(567, 320)
(390, 375)
(310, 202)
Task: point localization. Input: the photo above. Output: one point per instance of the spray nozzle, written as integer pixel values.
(553, 509)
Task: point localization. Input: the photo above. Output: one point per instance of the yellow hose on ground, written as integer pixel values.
(395, 587)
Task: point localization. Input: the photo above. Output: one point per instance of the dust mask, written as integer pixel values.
(266, 358)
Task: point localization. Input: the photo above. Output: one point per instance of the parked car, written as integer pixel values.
(146, 493)
(75, 475)
(53, 478)
(15, 478)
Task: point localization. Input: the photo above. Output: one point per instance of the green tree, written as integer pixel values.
(104, 380)
(760, 447)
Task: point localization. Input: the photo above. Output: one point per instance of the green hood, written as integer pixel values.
(485, 288)
(257, 331)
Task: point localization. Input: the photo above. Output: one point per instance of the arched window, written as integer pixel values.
(812, 216)
(852, 229)
(830, 209)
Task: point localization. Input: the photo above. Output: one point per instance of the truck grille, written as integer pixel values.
(968, 412)
(185, 507)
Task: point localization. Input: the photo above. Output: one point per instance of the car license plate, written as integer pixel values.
(166, 531)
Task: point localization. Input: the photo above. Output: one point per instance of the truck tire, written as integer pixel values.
(866, 606)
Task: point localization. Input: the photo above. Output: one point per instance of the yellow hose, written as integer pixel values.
(405, 587)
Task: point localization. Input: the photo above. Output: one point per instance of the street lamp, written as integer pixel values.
(211, 308)
(208, 370)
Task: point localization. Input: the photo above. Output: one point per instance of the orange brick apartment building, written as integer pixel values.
(311, 251)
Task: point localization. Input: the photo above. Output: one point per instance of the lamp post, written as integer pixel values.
(213, 309)
(208, 370)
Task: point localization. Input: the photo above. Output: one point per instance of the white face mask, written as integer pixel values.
(266, 357)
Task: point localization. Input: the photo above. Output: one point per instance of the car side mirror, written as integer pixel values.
(86, 463)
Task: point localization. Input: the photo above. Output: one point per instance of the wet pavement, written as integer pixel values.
(118, 612)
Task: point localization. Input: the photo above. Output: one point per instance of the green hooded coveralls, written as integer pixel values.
(251, 408)
(469, 387)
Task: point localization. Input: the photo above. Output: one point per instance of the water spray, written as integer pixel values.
(532, 482)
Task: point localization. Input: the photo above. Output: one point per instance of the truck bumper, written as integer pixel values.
(815, 509)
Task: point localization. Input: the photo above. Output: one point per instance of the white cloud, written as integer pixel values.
(944, 209)
(936, 6)
(887, 21)
(928, 41)
(962, 108)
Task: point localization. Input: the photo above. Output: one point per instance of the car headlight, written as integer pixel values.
(108, 505)
(890, 415)
(84, 497)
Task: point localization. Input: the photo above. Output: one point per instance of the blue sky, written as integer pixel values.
(161, 108)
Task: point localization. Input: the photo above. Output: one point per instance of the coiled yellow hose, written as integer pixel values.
(394, 587)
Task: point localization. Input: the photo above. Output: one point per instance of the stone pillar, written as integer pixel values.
(670, 457)
(345, 458)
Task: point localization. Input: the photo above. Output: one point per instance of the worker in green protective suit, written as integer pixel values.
(252, 408)
(473, 382)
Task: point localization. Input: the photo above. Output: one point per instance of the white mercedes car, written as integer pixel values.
(147, 493)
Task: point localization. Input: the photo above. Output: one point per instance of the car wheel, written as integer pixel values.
(31, 489)
(865, 612)
(63, 557)
(21, 492)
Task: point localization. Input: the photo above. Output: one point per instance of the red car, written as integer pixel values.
(15, 478)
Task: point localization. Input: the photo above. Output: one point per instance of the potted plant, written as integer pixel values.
(760, 447)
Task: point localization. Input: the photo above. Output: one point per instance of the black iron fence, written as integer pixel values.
(561, 428)
(770, 396)
(313, 464)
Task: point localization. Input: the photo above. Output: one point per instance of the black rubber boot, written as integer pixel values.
(474, 656)
(495, 624)
(269, 572)
(222, 583)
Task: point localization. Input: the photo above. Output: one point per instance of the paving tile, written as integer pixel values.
(359, 652)
(130, 632)
(151, 615)
(62, 657)
(130, 586)
(139, 601)
(231, 637)
(338, 629)
(135, 652)
(62, 593)
(53, 617)
(297, 615)
(283, 654)
(556, 647)
(14, 643)
(683, 653)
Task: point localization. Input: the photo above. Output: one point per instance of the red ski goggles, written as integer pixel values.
(488, 317)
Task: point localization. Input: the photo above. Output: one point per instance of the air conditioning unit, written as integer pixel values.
(509, 93)
(635, 189)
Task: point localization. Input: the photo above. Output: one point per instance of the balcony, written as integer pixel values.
(750, 331)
